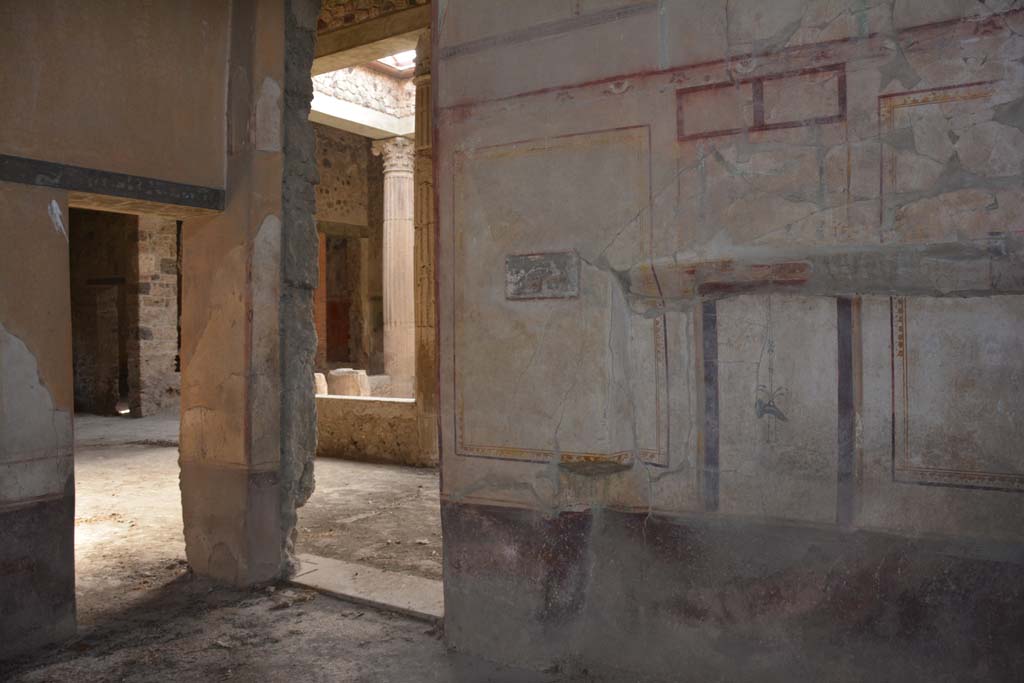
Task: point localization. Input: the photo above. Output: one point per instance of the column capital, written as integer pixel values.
(398, 154)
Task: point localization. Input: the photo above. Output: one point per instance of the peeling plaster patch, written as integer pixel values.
(35, 437)
(268, 117)
(265, 391)
(57, 218)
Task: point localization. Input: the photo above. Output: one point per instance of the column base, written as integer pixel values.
(232, 521)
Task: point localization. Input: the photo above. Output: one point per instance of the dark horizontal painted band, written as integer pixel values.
(78, 179)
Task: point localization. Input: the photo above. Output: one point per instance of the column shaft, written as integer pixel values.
(426, 324)
(399, 281)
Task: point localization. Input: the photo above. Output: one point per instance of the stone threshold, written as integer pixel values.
(406, 594)
(368, 399)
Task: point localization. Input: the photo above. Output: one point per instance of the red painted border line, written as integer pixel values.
(757, 94)
(681, 68)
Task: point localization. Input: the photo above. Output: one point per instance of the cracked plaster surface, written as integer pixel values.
(925, 203)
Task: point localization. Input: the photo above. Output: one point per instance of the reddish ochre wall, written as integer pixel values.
(117, 86)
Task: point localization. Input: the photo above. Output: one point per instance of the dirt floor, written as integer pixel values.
(189, 630)
(144, 617)
(128, 538)
(387, 516)
(128, 535)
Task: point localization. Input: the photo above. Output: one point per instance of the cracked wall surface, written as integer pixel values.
(748, 277)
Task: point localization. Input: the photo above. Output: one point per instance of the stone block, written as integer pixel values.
(370, 429)
(321, 382)
(348, 382)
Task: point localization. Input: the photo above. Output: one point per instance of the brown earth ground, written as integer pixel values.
(143, 616)
(387, 516)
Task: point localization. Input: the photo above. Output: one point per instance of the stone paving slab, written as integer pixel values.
(411, 595)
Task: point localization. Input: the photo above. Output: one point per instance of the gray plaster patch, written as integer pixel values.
(268, 117)
(266, 385)
(35, 436)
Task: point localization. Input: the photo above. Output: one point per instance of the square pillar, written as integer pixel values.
(248, 339)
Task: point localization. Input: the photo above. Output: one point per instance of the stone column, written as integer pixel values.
(399, 318)
(426, 323)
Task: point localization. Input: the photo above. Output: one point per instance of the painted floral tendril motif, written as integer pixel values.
(767, 396)
(765, 403)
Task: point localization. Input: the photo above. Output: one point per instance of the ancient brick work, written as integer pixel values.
(342, 160)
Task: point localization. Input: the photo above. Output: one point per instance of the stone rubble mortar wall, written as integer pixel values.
(755, 413)
(342, 13)
(299, 273)
(342, 162)
(349, 192)
(159, 383)
(369, 88)
(369, 430)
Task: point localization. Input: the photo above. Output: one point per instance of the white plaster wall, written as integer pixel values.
(712, 133)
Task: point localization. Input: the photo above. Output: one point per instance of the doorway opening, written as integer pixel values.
(372, 529)
(125, 283)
